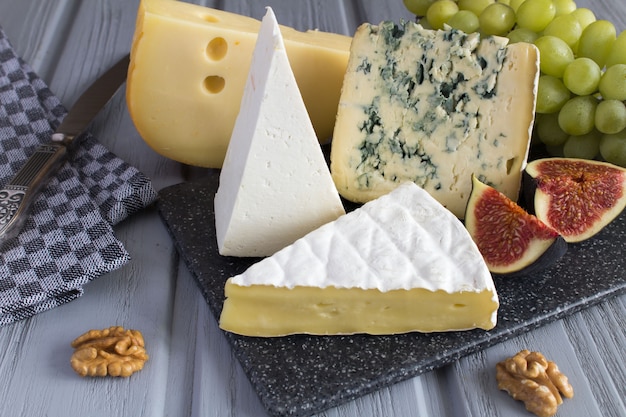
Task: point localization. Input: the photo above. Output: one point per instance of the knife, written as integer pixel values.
(17, 196)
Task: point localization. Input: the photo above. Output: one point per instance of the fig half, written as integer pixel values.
(576, 197)
(512, 241)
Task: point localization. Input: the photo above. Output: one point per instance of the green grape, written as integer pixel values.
(440, 11)
(566, 27)
(582, 76)
(507, 2)
(418, 7)
(475, 6)
(611, 116)
(515, 4)
(613, 83)
(618, 51)
(597, 40)
(551, 94)
(465, 21)
(564, 7)
(522, 35)
(583, 146)
(497, 19)
(577, 116)
(555, 55)
(548, 130)
(556, 151)
(613, 148)
(584, 16)
(535, 14)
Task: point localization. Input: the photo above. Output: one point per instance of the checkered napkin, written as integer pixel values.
(68, 238)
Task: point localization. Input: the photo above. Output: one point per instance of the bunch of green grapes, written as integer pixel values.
(581, 97)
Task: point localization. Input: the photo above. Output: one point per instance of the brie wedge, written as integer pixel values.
(400, 263)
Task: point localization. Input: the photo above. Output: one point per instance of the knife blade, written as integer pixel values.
(17, 196)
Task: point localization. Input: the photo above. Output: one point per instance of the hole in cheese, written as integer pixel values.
(210, 18)
(510, 163)
(214, 84)
(217, 49)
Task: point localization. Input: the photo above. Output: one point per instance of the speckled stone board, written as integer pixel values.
(302, 375)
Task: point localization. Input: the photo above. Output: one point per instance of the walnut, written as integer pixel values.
(113, 351)
(531, 378)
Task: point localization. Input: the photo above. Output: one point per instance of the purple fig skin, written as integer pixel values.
(529, 187)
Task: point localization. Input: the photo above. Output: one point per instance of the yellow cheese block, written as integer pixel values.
(188, 70)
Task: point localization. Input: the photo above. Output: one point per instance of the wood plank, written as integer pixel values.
(477, 372)
(36, 352)
(100, 34)
(598, 335)
(38, 30)
(139, 295)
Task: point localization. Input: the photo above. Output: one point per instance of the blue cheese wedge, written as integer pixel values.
(275, 185)
(401, 263)
(433, 107)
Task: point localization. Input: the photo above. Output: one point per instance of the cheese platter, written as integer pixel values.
(297, 373)
(302, 375)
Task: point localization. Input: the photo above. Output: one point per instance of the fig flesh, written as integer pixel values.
(576, 197)
(512, 241)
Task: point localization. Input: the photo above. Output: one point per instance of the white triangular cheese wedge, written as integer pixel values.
(398, 264)
(275, 185)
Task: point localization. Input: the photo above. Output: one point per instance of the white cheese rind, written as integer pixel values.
(275, 185)
(400, 241)
(433, 107)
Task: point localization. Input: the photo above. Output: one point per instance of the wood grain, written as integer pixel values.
(191, 371)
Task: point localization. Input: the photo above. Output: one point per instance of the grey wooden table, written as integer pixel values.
(192, 371)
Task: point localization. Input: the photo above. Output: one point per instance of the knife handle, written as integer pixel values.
(19, 193)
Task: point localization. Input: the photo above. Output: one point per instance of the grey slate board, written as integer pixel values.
(303, 375)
